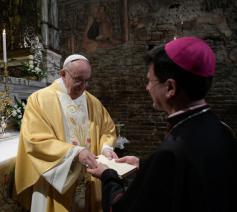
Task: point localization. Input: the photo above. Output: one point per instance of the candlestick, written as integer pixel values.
(5, 70)
(4, 46)
(6, 87)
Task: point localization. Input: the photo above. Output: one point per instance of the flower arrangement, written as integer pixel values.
(17, 112)
(11, 112)
(32, 70)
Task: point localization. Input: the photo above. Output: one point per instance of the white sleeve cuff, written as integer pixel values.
(106, 146)
(57, 176)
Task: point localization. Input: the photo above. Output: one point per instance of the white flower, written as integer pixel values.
(3, 125)
(31, 57)
(31, 62)
(37, 69)
(20, 116)
(31, 66)
(14, 113)
(18, 110)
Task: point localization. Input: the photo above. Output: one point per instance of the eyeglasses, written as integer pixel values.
(78, 79)
(148, 82)
(149, 85)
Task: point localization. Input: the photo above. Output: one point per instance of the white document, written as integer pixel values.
(122, 169)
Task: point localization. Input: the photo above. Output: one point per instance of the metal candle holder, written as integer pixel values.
(6, 87)
(3, 119)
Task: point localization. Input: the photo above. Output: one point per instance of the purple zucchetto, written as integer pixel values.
(193, 55)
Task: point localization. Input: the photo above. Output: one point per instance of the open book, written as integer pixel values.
(122, 169)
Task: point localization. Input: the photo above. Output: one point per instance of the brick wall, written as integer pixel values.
(119, 70)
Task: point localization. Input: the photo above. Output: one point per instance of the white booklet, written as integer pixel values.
(123, 169)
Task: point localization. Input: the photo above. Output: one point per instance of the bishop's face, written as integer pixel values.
(76, 77)
(156, 89)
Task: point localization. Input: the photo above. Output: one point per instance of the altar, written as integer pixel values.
(8, 151)
(8, 147)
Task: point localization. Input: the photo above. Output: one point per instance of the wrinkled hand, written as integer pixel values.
(110, 154)
(87, 158)
(97, 172)
(130, 160)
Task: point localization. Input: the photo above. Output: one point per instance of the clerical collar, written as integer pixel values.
(180, 117)
(187, 109)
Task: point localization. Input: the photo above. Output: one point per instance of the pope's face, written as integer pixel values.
(75, 77)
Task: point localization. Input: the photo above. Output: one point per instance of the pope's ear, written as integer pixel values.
(62, 72)
(171, 86)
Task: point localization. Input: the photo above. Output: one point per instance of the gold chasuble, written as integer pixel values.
(43, 146)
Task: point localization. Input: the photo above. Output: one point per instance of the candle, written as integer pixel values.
(4, 46)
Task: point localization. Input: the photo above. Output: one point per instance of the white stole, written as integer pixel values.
(76, 119)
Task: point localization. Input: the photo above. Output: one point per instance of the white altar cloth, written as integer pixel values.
(8, 147)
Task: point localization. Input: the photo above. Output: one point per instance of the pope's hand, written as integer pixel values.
(87, 158)
(110, 154)
(130, 160)
(97, 172)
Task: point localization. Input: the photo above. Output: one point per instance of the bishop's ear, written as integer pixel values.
(171, 88)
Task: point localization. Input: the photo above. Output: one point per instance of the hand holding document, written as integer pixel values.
(123, 169)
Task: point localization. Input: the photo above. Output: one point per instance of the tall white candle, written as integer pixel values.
(4, 44)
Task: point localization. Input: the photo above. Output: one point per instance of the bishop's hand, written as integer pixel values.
(97, 172)
(130, 160)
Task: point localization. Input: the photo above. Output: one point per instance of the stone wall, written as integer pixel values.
(21, 88)
(118, 67)
(52, 64)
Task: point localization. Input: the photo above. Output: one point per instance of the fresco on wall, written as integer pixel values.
(164, 20)
(104, 27)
